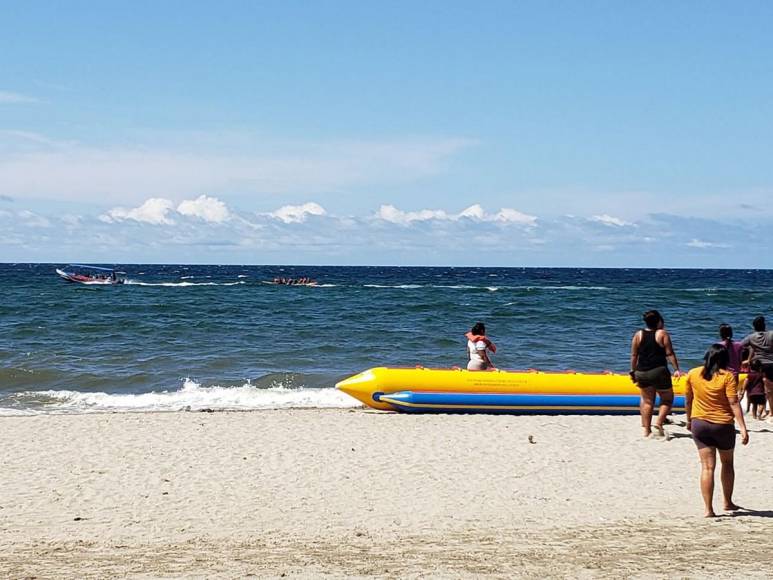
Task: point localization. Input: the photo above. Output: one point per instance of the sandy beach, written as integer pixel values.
(352, 493)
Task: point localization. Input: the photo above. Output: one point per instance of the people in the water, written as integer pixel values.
(304, 281)
(712, 408)
(760, 344)
(651, 350)
(478, 348)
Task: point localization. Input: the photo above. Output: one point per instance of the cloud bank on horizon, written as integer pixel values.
(205, 229)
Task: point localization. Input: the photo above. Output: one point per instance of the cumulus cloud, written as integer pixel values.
(160, 211)
(10, 98)
(611, 221)
(512, 216)
(154, 211)
(295, 214)
(390, 213)
(209, 209)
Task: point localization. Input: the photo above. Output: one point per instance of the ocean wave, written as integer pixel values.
(184, 284)
(190, 397)
(397, 286)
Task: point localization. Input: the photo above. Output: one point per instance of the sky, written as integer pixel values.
(581, 134)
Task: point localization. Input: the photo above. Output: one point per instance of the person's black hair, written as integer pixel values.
(726, 332)
(479, 328)
(716, 358)
(652, 318)
(759, 324)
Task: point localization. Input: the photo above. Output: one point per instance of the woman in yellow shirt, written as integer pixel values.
(712, 405)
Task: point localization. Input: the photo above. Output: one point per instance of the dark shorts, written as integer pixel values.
(757, 399)
(719, 435)
(767, 370)
(659, 378)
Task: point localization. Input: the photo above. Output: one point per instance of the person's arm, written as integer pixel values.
(735, 406)
(486, 359)
(670, 354)
(688, 402)
(742, 389)
(634, 355)
(484, 354)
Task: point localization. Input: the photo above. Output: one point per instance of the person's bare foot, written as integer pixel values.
(647, 433)
(731, 507)
(710, 515)
(659, 433)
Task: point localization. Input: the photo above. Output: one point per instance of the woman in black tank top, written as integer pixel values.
(651, 354)
(650, 350)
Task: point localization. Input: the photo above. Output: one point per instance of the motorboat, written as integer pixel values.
(91, 275)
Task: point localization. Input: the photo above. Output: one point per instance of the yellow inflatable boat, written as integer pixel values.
(522, 392)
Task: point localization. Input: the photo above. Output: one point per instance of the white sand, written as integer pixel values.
(358, 493)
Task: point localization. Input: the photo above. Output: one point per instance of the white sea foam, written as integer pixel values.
(184, 284)
(191, 396)
(399, 286)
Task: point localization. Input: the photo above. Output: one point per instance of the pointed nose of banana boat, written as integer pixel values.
(363, 387)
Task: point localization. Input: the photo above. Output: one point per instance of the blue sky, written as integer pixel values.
(507, 133)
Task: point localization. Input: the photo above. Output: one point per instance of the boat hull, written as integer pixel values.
(79, 279)
(520, 392)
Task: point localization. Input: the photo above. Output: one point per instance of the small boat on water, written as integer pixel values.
(91, 275)
(422, 390)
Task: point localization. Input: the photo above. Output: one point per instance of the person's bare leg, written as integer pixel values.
(708, 463)
(645, 409)
(666, 402)
(727, 475)
(769, 396)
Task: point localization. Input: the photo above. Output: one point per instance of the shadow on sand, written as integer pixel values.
(748, 513)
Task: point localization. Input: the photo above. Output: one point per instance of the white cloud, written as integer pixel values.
(31, 137)
(513, 216)
(33, 220)
(295, 214)
(79, 173)
(475, 212)
(610, 221)
(390, 213)
(9, 98)
(697, 243)
(153, 211)
(209, 209)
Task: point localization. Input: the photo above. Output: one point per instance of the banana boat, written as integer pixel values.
(424, 390)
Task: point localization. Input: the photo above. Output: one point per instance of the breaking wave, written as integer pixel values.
(190, 397)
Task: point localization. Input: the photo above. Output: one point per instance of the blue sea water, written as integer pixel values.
(184, 336)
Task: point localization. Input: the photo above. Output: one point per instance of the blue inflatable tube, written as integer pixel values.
(538, 404)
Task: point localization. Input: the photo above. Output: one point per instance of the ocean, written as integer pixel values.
(187, 337)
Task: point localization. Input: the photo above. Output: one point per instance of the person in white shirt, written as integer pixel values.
(478, 347)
